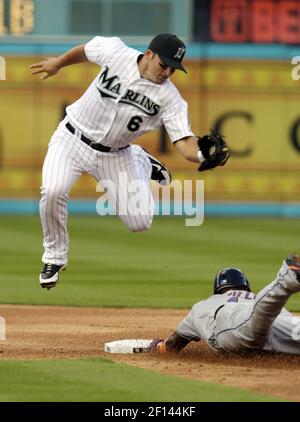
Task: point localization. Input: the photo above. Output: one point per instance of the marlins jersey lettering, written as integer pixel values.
(119, 105)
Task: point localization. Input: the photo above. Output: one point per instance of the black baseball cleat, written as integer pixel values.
(50, 274)
(160, 173)
(293, 262)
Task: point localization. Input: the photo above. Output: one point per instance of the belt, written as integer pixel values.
(92, 144)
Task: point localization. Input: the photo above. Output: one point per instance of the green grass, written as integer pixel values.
(99, 380)
(170, 266)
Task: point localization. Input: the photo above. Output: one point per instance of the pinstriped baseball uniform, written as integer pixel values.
(118, 107)
(238, 320)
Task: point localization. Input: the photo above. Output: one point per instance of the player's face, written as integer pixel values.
(158, 72)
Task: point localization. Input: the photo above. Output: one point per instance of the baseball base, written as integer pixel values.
(128, 346)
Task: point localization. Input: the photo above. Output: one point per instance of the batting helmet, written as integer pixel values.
(230, 278)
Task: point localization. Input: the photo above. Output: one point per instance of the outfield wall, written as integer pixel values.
(246, 91)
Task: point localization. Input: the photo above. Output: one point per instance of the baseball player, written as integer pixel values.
(130, 96)
(235, 319)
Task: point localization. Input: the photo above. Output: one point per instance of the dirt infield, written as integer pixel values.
(36, 332)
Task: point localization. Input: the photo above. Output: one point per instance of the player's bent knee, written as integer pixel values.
(140, 225)
(139, 228)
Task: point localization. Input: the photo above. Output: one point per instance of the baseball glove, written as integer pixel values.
(214, 150)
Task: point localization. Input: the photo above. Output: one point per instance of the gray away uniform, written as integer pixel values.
(239, 320)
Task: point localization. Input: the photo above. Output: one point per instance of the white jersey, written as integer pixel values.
(120, 105)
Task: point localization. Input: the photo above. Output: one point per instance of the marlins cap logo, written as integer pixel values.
(180, 53)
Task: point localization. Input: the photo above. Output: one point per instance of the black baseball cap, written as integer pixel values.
(170, 49)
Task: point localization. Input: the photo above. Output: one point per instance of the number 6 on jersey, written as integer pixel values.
(134, 123)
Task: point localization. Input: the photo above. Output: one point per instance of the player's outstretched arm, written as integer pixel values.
(210, 150)
(174, 343)
(51, 65)
(189, 148)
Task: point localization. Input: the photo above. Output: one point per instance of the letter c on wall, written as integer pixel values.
(218, 124)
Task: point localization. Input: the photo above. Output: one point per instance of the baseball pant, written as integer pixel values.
(124, 174)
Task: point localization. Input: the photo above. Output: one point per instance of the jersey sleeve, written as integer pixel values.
(176, 119)
(100, 50)
(186, 327)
